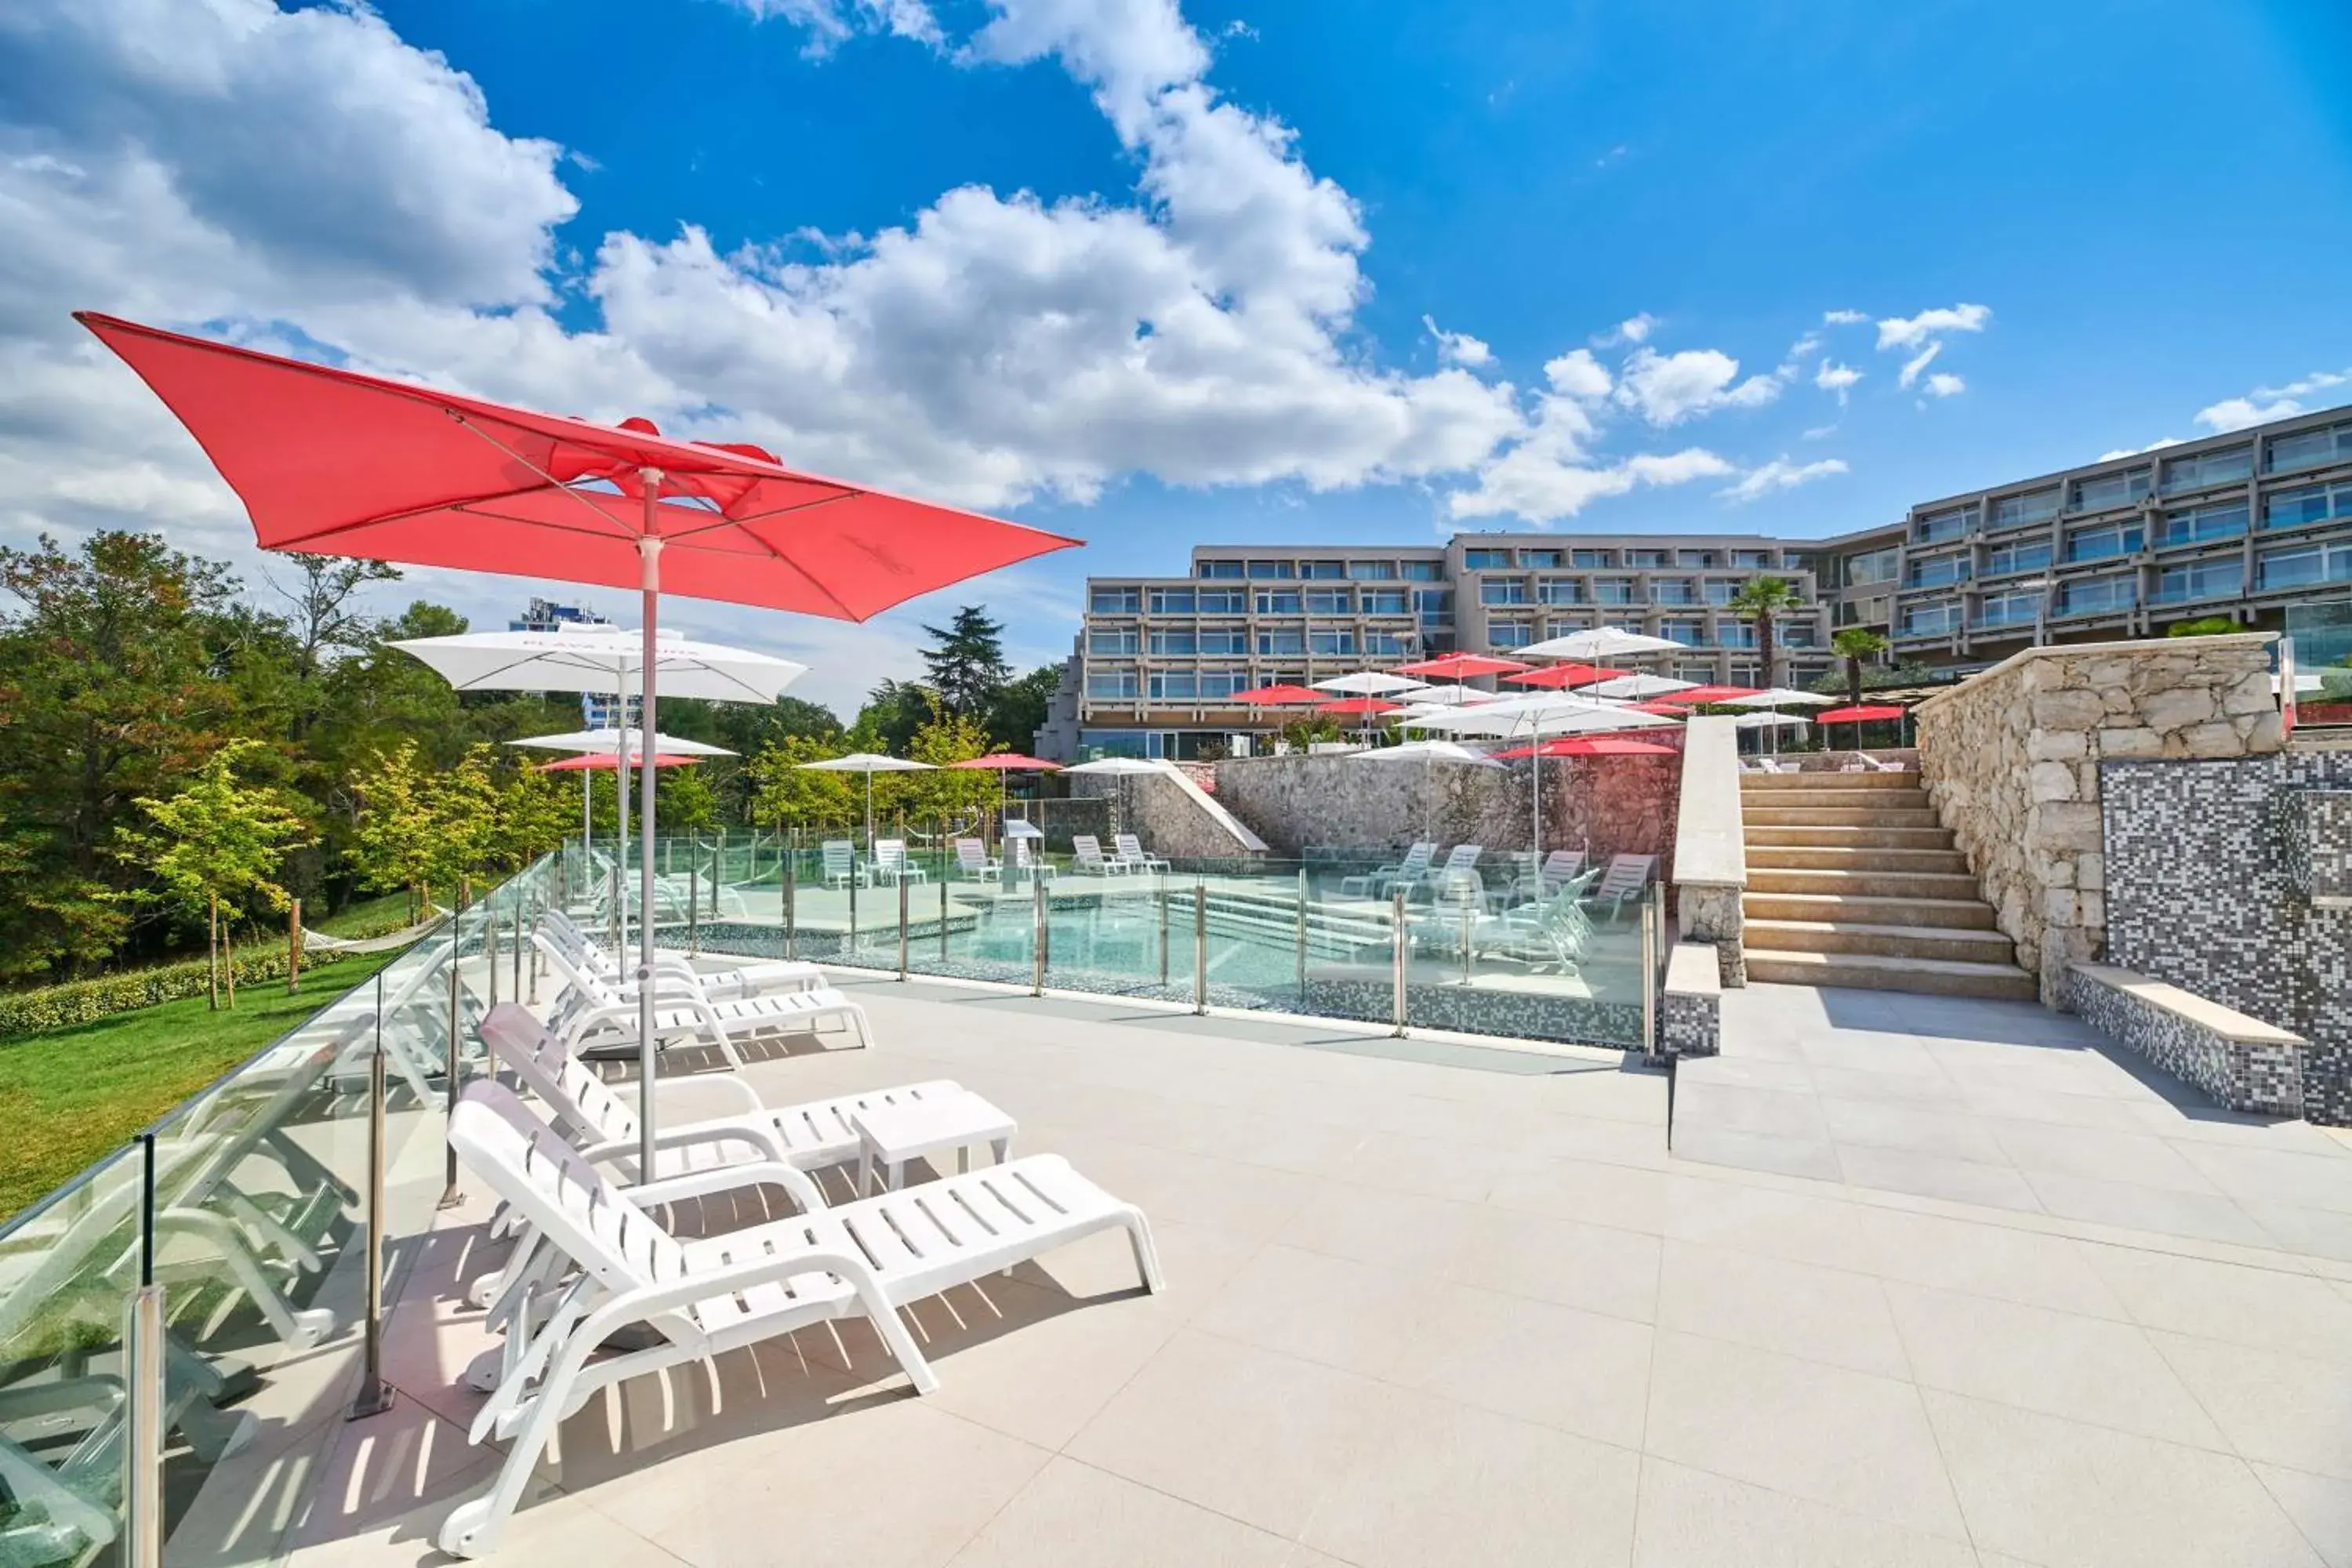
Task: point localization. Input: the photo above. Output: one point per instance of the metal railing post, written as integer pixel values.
(1302, 938)
(294, 948)
(942, 828)
(903, 867)
(1465, 944)
(1650, 973)
(450, 1194)
(142, 1356)
(851, 941)
(1163, 931)
(791, 877)
(375, 1395)
(1397, 946)
(693, 903)
(491, 950)
(1200, 948)
(1037, 934)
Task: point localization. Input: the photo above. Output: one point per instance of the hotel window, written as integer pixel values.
(1799, 634)
(2019, 510)
(1752, 559)
(2099, 543)
(2222, 579)
(1690, 634)
(1939, 526)
(1560, 591)
(2223, 519)
(1330, 602)
(2017, 558)
(1329, 642)
(2303, 566)
(2093, 595)
(1322, 571)
(1561, 626)
(1673, 591)
(1110, 683)
(1696, 560)
(1646, 560)
(1224, 602)
(2227, 465)
(1278, 601)
(1111, 639)
(1290, 642)
(1273, 569)
(1433, 605)
(2306, 504)
(1735, 634)
(1390, 644)
(2309, 450)
(1176, 644)
(1225, 641)
(1372, 571)
(1878, 566)
(1224, 683)
(1612, 591)
(1509, 634)
(1171, 685)
(1423, 571)
(1931, 620)
(2119, 489)
(1171, 601)
(2009, 609)
(1503, 591)
(1386, 602)
(1486, 560)
(1539, 559)
(1115, 602)
(1225, 570)
(1592, 560)
(1938, 570)
(1719, 590)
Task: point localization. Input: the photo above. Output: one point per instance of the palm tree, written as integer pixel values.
(1758, 601)
(1853, 645)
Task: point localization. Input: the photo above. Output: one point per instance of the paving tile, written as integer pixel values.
(1873, 1081)
(1195, 1261)
(1075, 1516)
(1579, 1372)
(2206, 1124)
(1599, 1139)
(1936, 1176)
(2319, 1180)
(1170, 1185)
(1692, 1519)
(2086, 1369)
(1740, 1071)
(2269, 1309)
(2320, 1233)
(2061, 1492)
(993, 1374)
(2005, 1263)
(1798, 1308)
(1991, 1094)
(1319, 1308)
(1710, 1145)
(1388, 1229)
(2278, 1408)
(1239, 1430)
(1439, 1482)
(1922, 1130)
(2210, 1217)
(1734, 1107)
(1795, 1226)
(1430, 1167)
(1846, 1439)
(1595, 1266)
(2320, 1506)
(2133, 1159)
(1586, 1189)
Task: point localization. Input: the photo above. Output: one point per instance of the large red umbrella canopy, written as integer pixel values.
(1279, 696)
(1356, 707)
(1566, 675)
(1590, 746)
(1460, 666)
(1006, 763)
(1663, 709)
(1862, 715)
(332, 462)
(605, 762)
(1702, 695)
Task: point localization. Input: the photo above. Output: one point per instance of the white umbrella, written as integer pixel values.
(1783, 697)
(1600, 643)
(1634, 688)
(1770, 722)
(1536, 716)
(1430, 753)
(869, 763)
(1369, 683)
(1446, 697)
(607, 742)
(1120, 768)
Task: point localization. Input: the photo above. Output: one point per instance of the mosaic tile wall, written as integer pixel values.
(2240, 1075)
(2202, 893)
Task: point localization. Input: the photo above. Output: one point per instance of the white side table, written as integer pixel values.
(890, 1135)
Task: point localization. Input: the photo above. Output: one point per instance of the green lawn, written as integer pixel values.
(68, 1096)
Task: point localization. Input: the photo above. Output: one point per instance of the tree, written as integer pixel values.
(1853, 645)
(784, 791)
(392, 824)
(894, 710)
(534, 817)
(217, 841)
(967, 667)
(948, 739)
(1758, 602)
(321, 593)
(684, 800)
(1021, 707)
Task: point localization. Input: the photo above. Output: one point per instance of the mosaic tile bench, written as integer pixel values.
(2243, 1062)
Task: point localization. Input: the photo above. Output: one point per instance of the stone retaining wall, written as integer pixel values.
(2010, 759)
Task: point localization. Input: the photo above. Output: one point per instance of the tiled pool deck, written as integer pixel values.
(1420, 1313)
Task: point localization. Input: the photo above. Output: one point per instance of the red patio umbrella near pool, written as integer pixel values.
(1698, 696)
(1589, 746)
(1859, 716)
(331, 462)
(1003, 764)
(1460, 666)
(1279, 696)
(1560, 676)
(607, 760)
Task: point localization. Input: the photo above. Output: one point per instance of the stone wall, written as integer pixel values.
(2010, 759)
(1608, 805)
(1163, 814)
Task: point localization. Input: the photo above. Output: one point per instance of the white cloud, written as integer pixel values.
(1844, 318)
(1529, 483)
(1458, 348)
(1837, 378)
(1636, 329)
(1908, 331)
(1780, 473)
(1943, 383)
(1917, 363)
(1820, 432)
(1577, 374)
(831, 23)
(2268, 402)
(2156, 445)
(1670, 388)
(1806, 346)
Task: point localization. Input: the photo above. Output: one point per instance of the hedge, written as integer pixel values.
(76, 1002)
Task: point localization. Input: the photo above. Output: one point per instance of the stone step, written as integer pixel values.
(1773, 783)
(1820, 836)
(1835, 858)
(1838, 800)
(1843, 937)
(1928, 976)
(1954, 914)
(1874, 884)
(1835, 817)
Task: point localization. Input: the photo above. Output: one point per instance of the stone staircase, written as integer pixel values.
(1853, 882)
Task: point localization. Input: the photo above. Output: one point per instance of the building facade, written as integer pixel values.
(2239, 526)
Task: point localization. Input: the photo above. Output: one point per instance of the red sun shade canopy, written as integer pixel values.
(1698, 696)
(1357, 706)
(1862, 715)
(331, 462)
(1460, 666)
(1589, 746)
(1566, 675)
(1007, 762)
(605, 762)
(1663, 709)
(1279, 696)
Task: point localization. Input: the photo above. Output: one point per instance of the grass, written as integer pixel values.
(390, 910)
(70, 1096)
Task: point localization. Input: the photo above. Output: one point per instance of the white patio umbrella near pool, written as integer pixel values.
(1120, 768)
(1597, 644)
(1537, 716)
(1429, 754)
(869, 763)
(1774, 698)
(1369, 683)
(608, 742)
(1636, 688)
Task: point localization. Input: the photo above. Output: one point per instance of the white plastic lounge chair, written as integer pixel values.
(1458, 874)
(1627, 876)
(1561, 867)
(700, 1299)
(972, 862)
(598, 1018)
(1087, 849)
(743, 979)
(1132, 856)
(1027, 858)
(892, 865)
(1554, 932)
(840, 862)
(1376, 883)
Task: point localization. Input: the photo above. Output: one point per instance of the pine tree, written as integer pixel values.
(967, 667)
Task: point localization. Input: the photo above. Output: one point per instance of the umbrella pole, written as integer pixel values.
(621, 814)
(649, 552)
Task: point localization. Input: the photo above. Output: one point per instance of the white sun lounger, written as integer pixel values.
(592, 1015)
(743, 979)
(703, 1297)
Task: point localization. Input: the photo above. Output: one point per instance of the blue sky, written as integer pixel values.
(1330, 269)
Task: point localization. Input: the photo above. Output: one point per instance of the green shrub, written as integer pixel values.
(87, 1001)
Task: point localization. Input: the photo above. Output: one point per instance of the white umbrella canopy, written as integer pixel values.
(1600, 643)
(1546, 713)
(1369, 683)
(1448, 697)
(606, 742)
(1784, 697)
(1429, 751)
(1634, 688)
(1118, 766)
(869, 763)
(603, 658)
(1770, 722)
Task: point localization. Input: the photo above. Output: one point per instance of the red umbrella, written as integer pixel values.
(1004, 763)
(1358, 707)
(605, 762)
(331, 462)
(1665, 710)
(1590, 746)
(1862, 715)
(1278, 696)
(1563, 675)
(1700, 695)
(1460, 666)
